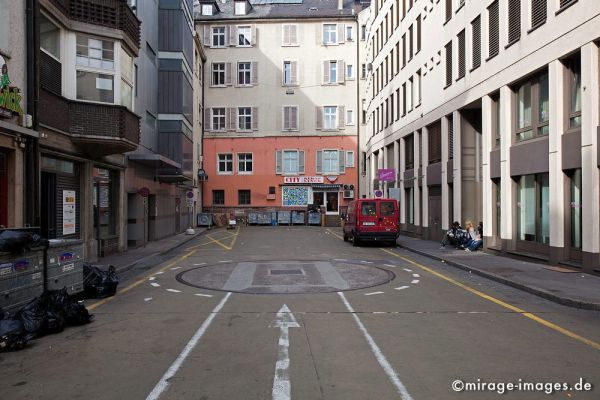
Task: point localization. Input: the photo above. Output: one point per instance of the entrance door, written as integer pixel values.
(319, 198)
(48, 205)
(435, 209)
(332, 202)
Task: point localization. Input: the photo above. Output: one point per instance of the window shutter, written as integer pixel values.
(341, 66)
(233, 35)
(319, 112)
(341, 110)
(450, 137)
(319, 162)
(341, 35)
(301, 161)
(254, 33)
(254, 73)
(514, 20)
(254, 118)
(286, 118)
(435, 142)
(228, 67)
(294, 35)
(231, 119)
(325, 71)
(494, 29)
(285, 35)
(278, 162)
(342, 161)
(207, 121)
(448, 64)
(539, 12)
(207, 36)
(294, 117)
(461, 54)
(476, 29)
(294, 75)
(320, 34)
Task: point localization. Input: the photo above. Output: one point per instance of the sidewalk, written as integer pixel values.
(573, 289)
(128, 259)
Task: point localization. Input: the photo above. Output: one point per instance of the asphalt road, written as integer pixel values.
(278, 313)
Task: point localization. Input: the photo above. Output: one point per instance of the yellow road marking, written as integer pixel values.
(524, 313)
(230, 247)
(335, 234)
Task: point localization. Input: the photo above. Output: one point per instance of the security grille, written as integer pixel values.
(450, 137)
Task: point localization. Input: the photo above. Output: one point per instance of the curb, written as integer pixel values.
(130, 266)
(565, 301)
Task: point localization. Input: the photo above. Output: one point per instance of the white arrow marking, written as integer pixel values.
(282, 387)
(416, 276)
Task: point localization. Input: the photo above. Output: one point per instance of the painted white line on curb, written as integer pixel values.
(163, 383)
(383, 362)
(155, 284)
(372, 293)
(407, 270)
(203, 295)
(402, 287)
(414, 281)
(173, 290)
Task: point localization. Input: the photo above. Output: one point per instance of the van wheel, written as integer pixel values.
(355, 240)
(346, 238)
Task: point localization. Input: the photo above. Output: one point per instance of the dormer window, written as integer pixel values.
(207, 9)
(240, 7)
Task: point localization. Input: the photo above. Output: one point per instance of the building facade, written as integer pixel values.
(280, 127)
(86, 119)
(489, 111)
(163, 169)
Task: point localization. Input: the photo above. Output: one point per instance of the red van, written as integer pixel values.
(372, 220)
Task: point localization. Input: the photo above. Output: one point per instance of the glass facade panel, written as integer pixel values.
(95, 87)
(524, 110)
(575, 206)
(526, 208)
(544, 196)
(104, 203)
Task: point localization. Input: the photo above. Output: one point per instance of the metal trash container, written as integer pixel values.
(252, 218)
(284, 217)
(65, 265)
(298, 217)
(314, 214)
(21, 278)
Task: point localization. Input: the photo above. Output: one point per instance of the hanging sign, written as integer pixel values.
(386, 174)
(10, 96)
(69, 206)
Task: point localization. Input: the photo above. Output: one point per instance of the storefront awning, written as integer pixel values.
(153, 160)
(174, 178)
(326, 186)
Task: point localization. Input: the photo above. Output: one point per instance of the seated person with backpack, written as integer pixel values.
(453, 236)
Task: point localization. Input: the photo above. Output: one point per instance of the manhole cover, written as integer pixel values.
(286, 276)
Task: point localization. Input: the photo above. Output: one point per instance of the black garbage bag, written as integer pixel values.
(16, 242)
(55, 320)
(73, 312)
(34, 316)
(12, 335)
(98, 283)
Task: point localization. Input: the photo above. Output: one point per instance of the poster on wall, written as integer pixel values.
(295, 196)
(69, 204)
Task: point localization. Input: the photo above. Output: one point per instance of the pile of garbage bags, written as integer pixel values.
(98, 283)
(49, 313)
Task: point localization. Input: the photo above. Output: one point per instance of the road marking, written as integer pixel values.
(282, 387)
(379, 312)
(339, 259)
(203, 295)
(407, 270)
(173, 290)
(504, 304)
(414, 281)
(163, 383)
(152, 278)
(390, 265)
(160, 272)
(334, 234)
(140, 281)
(148, 299)
(416, 276)
(155, 284)
(226, 247)
(372, 293)
(367, 262)
(383, 362)
(226, 261)
(174, 268)
(402, 287)
(199, 264)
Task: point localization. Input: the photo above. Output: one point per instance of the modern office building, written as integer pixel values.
(489, 111)
(281, 116)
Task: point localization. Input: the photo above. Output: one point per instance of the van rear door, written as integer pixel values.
(388, 216)
(367, 217)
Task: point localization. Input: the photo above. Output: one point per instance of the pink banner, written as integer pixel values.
(386, 175)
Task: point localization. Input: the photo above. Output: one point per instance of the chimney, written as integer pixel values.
(340, 4)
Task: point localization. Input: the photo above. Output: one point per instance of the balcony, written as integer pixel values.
(114, 14)
(98, 129)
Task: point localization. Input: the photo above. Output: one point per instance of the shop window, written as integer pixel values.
(104, 203)
(533, 106)
(533, 209)
(218, 197)
(574, 91)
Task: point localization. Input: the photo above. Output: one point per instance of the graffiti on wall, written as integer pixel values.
(295, 196)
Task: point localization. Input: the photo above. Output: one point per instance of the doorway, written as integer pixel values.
(332, 202)
(48, 209)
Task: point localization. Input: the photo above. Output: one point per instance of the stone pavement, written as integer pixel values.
(128, 259)
(574, 289)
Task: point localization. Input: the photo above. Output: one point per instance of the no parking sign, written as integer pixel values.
(189, 198)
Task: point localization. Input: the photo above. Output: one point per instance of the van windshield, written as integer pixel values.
(368, 208)
(387, 208)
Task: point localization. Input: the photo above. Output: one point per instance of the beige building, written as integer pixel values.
(489, 111)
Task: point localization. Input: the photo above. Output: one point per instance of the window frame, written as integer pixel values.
(349, 117)
(246, 161)
(336, 170)
(297, 160)
(536, 125)
(212, 73)
(247, 201)
(569, 75)
(213, 116)
(248, 116)
(213, 35)
(247, 72)
(329, 33)
(240, 33)
(220, 192)
(230, 161)
(332, 116)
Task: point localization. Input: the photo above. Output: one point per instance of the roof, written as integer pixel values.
(278, 9)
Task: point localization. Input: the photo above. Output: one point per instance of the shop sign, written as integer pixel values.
(386, 174)
(69, 204)
(10, 97)
(303, 179)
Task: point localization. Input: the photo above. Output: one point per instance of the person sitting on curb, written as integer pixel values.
(452, 236)
(476, 237)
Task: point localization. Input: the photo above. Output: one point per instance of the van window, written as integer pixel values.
(387, 208)
(368, 208)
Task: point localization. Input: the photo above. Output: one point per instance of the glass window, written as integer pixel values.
(103, 203)
(367, 208)
(524, 110)
(244, 197)
(349, 117)
(245, 163)
(218, 119)
(245, 118)
(349, 33)
(126, 79)
(387, 208)
(363, 32)
(95, 53)
(534, 208)
(543, 105)
(225, 163)
(332, 71)
(240, 7)
(575, 205)
(330, 117)
(49, 37)
(533, 106)
(207, 9)
(410, 206)
(95, 87)
(218, 197)
(244, 73)
(331, 162)
(498, 207)
(349, 71)
(218, 73)
(218, 36)
(244, 36)
(574, 66)
(330, 34)
(290, 162)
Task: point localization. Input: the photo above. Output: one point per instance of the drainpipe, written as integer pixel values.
(358, 116)
(31, 165)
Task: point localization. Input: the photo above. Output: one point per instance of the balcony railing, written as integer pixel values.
(114, 14)
(99, 129)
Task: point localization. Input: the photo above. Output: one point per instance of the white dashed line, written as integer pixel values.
(414, 281)
(226, 261)
(152, 278)
(407, 270)
(148, 299)
(174, 268)
(379, 312)
(203, 295)
(390, 265)
(339, 259)
(155, 284)
(372, 293)
(367, 262)
(199, 264)
(402, 287)
(416, 276)
(173, 290)
(159, 272)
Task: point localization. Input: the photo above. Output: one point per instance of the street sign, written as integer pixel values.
(189, 199)
(378, 193)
